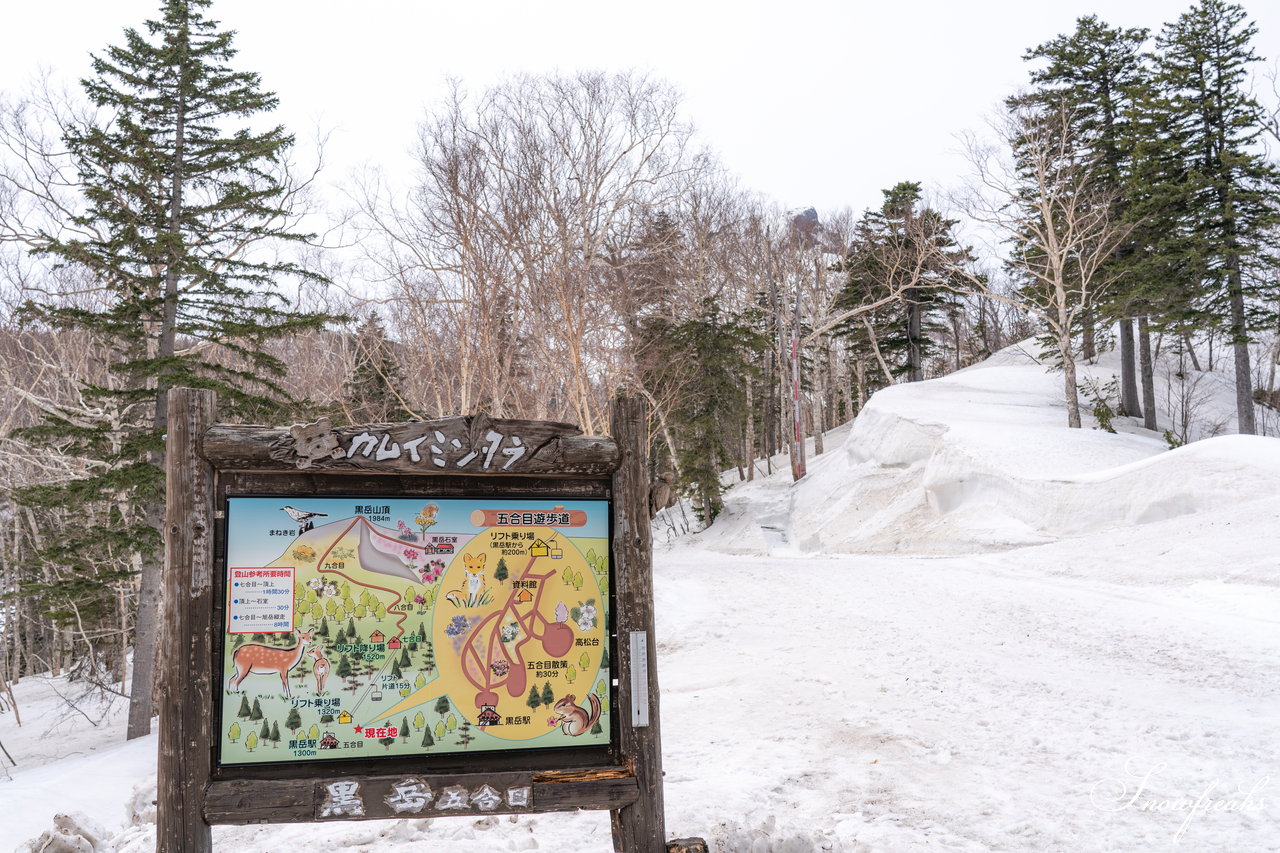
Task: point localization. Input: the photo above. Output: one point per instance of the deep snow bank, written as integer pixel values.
(982, 460)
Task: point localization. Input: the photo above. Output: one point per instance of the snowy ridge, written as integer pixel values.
(980, 460)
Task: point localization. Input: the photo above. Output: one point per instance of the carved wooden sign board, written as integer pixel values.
(418, 619)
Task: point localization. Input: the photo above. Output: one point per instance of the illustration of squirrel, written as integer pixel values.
(474, 588)
(576, 721)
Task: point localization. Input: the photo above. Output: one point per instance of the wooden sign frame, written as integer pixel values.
(470, 456)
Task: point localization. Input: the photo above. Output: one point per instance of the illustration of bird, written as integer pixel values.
(303, 517)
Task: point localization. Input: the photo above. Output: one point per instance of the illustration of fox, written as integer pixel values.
(574, 720)
(473, 592)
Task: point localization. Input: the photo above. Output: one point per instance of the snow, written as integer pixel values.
(967, 629)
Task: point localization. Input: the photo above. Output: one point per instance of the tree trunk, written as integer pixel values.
(1069, 388)
(914, 368)
(1128, 371)
(1088, 348)
(1147, 370)
(1240, 349)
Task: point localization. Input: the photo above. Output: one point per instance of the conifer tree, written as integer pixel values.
(1097, 73)
(1206, 194)
(372, 390)
(177, 193)
(704, 364)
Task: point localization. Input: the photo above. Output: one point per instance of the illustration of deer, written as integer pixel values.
(319, 669)
(259, 660)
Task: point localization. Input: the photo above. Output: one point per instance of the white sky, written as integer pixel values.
(814, 102)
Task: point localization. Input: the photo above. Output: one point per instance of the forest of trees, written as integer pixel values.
(567, 237)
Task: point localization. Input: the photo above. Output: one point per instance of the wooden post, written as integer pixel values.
(639, 827)
(186, 632)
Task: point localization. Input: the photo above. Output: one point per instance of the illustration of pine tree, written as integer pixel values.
(442, 706)
(256, 713)
(265, 732)
(548, 698)
(341, 638)
(275, 733)
(386, 742)
(500, 574)
(427, 739)
(535, 698)
(351, 629)
(293, 722)
(596, 729)
(404, 728)
(344, 667)
(604, 658)
(464, 734)
(396, 673)
(429, 658)
(244, 708)
(404, 659)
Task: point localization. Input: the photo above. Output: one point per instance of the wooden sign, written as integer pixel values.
(421, 619)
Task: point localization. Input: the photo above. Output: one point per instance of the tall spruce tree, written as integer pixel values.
(372, 392)
(1206, 193)
(704, 365)
(178, 189)
(1096, 73)
(903, 256)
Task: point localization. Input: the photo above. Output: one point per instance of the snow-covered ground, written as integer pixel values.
(967, 629)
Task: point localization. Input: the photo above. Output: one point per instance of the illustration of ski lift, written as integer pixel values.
(377, 696)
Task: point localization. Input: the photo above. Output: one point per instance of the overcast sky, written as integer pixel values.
(819, 103)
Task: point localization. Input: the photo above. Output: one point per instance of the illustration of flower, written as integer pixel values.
(562, 613)
(304, 554)
(510, 631)
(500, 668)
(316, 583)
(411, 555)
(457, 626)
(585, 614)
(553, 721)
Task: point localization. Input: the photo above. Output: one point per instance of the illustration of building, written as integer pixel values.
(376, 637)
(524, 597)
(344, 717)
(488, 717)
(328, 741)
(538, 549)
(394, 643)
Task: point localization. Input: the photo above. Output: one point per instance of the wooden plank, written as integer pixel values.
(381, 797)
(186, 632)
(463, 445)
(265, 482)
(639, 827)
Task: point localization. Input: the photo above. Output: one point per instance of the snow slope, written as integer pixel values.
(967, 629)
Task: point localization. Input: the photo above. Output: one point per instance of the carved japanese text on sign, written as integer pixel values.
(440, 450)
(424, 797)
(475, 444)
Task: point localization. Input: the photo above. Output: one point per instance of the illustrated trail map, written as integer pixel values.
(366, 627)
